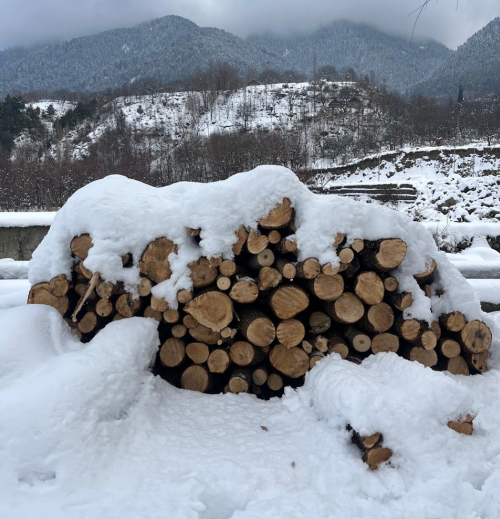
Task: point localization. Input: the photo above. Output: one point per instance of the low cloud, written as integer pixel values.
(27, 22)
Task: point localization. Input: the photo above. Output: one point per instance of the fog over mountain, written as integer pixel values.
(27, 22)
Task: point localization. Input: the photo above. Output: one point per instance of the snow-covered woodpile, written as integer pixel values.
(260, 313)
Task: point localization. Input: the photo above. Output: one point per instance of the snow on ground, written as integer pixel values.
(455, 184)
(478, 261)
(89, 432)
(11, 269)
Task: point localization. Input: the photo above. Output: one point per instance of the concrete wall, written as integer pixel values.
(19, 242)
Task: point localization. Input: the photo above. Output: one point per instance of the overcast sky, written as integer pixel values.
(33, 21)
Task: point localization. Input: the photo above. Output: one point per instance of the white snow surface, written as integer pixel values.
(12, 269)
(26, 219)
(123, 216)
(87, 432)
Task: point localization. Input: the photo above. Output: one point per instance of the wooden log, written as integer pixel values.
(279, 217)
(320, 343)
(268, 278)
(436, 329)
(198, 352)
(426, 340)
(357, 245)
(290, 333)
(275, 382)
(408, 329)
(240, 380)
(244, 291)
(88, 322)
(347, 309)
(228, 268)
(349, 270)
(144, 287)
(288, 301)
(425, 276)
(259, 375)
(104, 308)
(315, 358)
(274, 237)
(369, 287)
(478, 361)
(329, 269)
(285, 268)
(157, 303)
(335, 339)
(40, 295)
(475, 337)
(377, 318)
(391, 284)
(308, 269)
(385, 342)
(327, 288)
(178, 331)
(154, 262)
(106, 289)
(80, 246)
(126, 306)
(193, 232)
(184, 296)
(449, 348)
(241, 238)
(256, 242)
(202, 273)
(264, 258)
(457, 366)
(453, 322)
(461, 427)
(83, 298)
(357, 339)
(212, 309)
(172, 352)
(201, 333)
(366, 443)
(243, 353)
(189, 322)
(339, 239)
(307, 347)
(218, 361)
(287, 246)
(427, 358)
(59, 286)
(256, 327)
(340, 349)
(427, 290)
(346, 255)
(401, 301)
(377, 456)
(292, 362)
(149, 312)
(223, 283)
(384, 255)
(195, 378)
(319, 322)
(170, 316)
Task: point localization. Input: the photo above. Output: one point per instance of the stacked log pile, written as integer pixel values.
(260, 321)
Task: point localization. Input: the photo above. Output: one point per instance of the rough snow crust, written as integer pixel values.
(87, 432)
(124, 215)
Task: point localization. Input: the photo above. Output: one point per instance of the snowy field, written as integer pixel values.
(87, 432)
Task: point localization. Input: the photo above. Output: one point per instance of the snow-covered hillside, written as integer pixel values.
(173, 117)
(454, 184)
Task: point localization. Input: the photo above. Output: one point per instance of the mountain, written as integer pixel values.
(167, 48)
(475, 65)
(345, 44)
